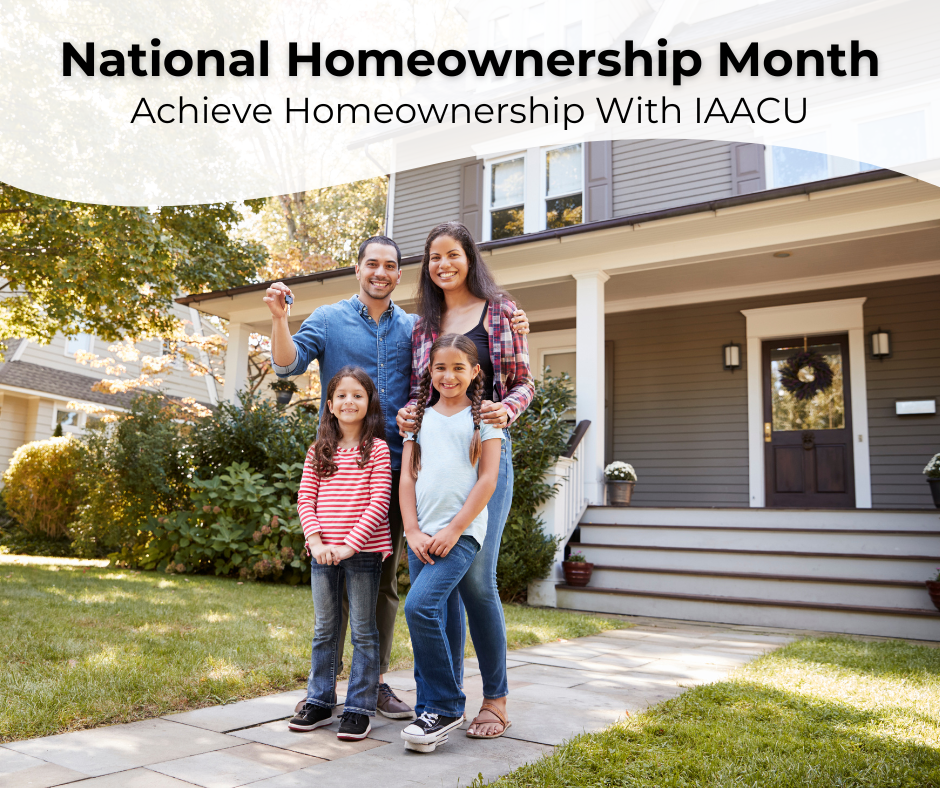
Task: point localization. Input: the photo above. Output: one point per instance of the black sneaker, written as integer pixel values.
(311, 716)
(430, 728)
(354, 726)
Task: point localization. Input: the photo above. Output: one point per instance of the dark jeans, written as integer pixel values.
(479, 594)
(361, 575)
(436, 677)
(386, 608)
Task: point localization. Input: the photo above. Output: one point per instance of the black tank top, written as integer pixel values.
(482, 340)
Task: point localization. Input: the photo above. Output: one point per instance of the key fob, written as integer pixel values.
(288, 299)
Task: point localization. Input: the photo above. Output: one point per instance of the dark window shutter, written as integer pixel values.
(471, 198)
(747, 168)
(598, 181)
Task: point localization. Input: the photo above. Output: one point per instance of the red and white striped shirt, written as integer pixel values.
(351, 506)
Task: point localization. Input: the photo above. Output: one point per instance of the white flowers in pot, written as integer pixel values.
(623, 472)
(620, 480)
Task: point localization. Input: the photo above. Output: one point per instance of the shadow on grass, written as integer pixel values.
(888, 659)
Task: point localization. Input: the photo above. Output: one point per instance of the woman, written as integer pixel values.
(457, 294)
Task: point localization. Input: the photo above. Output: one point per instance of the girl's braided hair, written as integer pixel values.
(475, 392)
(329, 434)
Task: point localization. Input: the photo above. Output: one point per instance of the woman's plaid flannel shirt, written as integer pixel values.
(509, 352)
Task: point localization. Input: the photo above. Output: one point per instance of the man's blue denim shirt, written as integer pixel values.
(345, 333)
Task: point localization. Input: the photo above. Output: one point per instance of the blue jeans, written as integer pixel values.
(437, 681)
(479, 594)
(361, 573)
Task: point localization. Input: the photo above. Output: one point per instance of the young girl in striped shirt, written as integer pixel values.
(343, 507)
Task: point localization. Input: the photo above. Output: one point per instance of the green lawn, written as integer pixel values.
(85, 646)
(819, 713)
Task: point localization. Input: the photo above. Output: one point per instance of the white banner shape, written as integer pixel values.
(105, 103)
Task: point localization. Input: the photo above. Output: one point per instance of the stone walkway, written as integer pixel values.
(557, 690)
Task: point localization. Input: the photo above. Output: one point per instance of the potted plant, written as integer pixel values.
(933, 588)
(620, 481)
(577, 570)
(932, 472)
(284, 391)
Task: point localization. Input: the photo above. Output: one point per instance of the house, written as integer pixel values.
(42, 386)
(674, 279)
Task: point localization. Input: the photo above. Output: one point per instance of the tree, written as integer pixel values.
(318, 230)
(112, 270)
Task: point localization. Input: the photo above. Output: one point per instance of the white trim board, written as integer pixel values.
(820, 317)
(805, 284)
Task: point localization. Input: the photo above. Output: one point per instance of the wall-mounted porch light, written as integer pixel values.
(731, 356)
(879, 342)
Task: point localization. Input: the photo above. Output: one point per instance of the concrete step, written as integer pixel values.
(833, 540)
(853, 619)
(751, 585)
(850, 519)
(913, 568)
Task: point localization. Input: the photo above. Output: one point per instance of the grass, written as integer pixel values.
(85, 645)
(818, 713)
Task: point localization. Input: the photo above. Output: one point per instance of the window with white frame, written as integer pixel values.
(533, 190)
(168, 349)
(73, 421)
(79, 343)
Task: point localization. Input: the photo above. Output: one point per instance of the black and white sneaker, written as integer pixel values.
(311, 716)
(354, 726)
(430, 729)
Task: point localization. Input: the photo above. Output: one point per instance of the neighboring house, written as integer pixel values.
(41, 384)
(651, 267)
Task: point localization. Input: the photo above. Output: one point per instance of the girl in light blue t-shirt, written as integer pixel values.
(450, 467)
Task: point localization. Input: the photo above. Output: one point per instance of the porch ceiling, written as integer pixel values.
(887, 229)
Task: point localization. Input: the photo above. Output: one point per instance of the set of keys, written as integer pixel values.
(288, 299)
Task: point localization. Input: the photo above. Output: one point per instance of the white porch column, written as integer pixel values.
(236, 360)
(589, 338)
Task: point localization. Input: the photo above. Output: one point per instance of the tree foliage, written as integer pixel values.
(318, 230)
(539, 437)
(109, 270)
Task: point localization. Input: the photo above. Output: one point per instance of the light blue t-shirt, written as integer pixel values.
(447, 477)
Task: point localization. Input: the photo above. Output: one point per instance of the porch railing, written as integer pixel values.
(562, 513)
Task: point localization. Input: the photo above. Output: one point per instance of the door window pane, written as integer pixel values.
(825, 411)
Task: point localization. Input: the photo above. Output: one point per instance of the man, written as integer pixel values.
(371, 332)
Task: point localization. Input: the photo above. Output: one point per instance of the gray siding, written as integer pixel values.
(901, 445)
(652, 175)
(682, 420)
(424, 198)
(678, 417)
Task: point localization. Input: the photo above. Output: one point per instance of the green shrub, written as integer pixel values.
(137, 468)
(257, 433)
(241, 523)
(41, 488)
(539, 437)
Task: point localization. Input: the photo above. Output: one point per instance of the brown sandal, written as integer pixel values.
(493, 709)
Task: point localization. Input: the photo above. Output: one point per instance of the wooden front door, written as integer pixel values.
(808, 443)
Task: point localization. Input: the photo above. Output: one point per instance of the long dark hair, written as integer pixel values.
(480, 279)
(475, 392)
(373, 426)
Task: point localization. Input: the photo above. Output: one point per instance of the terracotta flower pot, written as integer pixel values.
(933, 588)
(577, 573)
(935, 491)
(619, 493)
